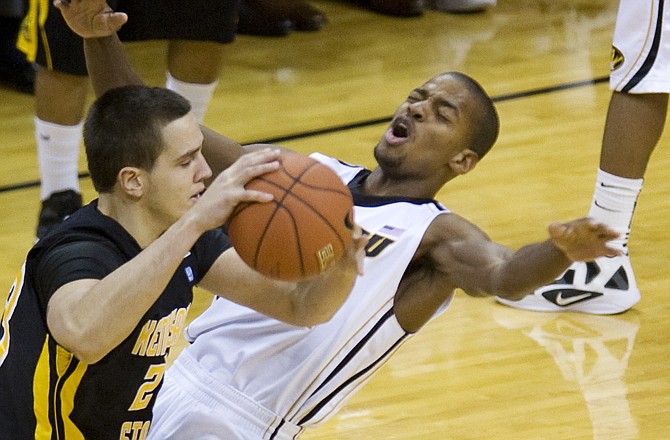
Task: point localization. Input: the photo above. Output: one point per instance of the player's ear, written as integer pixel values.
(464, 162)
(132, 181)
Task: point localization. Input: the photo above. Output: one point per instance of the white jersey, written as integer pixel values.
(296, 377)
(641, 47)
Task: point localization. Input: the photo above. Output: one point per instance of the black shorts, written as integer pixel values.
(53, 45)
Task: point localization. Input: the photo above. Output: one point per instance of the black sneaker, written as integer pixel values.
(55, 209)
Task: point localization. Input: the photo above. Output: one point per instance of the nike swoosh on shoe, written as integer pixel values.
(567, 297)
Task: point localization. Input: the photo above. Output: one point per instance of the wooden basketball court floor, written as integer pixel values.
(480, 371)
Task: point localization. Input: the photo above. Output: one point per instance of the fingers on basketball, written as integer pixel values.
(304, 230)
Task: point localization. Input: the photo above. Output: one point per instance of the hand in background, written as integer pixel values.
(91, 18)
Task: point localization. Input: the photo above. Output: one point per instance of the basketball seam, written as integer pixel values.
(264, 233)
(325, 220)
(279, 205)
(297, 180)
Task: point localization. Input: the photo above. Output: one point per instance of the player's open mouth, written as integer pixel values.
(197, 196)
(399, 131)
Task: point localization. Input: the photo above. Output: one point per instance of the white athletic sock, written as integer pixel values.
(613, 203)
(198, 95)
(58, 156)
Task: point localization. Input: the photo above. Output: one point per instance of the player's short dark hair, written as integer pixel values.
(123, 128)
(485, 127)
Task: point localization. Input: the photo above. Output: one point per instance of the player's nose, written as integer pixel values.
(417, 110)
(204, 171)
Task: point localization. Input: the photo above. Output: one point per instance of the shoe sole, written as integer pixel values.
(609, 303)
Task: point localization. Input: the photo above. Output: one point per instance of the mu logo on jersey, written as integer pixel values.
(380, 240)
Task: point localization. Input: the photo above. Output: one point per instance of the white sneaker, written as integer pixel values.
(603, 287)
(461, 5)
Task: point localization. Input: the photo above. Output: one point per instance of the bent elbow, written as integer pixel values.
(312, 317)
(86, 348)
(88, 351)
(85, 354)
(89, 357)
(309, 310)
(319, 318)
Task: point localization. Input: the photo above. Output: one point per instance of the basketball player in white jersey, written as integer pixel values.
(247, 376)
(640, 83)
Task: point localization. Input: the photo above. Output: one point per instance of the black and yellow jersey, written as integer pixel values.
(47, 393)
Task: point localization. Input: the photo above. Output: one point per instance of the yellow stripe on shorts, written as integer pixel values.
(32, 24)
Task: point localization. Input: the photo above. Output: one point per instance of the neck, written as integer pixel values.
(379, 183)
(128, 213)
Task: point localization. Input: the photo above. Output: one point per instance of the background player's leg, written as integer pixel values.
(634, 126)
(193, 71)
(632, 130)
(59, 107)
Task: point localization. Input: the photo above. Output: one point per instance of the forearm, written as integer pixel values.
(528, 268)
(91, 320)
(317, 300)
(220, 151)
(108, 65)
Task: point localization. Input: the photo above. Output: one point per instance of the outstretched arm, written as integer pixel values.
(454, 253)
(481, 267)
(107, 64)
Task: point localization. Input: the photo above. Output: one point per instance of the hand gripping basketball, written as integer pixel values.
(304, 230)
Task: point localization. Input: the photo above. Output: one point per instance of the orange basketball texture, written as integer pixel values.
(304, 230)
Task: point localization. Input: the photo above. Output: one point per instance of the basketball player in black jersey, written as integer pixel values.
(99, 302)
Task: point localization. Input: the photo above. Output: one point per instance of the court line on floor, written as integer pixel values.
(362, 124)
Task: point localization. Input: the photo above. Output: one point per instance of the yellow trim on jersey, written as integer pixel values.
(68, 392)
(41, 387)
(32, 24)
(10, 305)
(63, 403)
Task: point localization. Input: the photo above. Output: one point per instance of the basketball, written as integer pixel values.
(304, 230)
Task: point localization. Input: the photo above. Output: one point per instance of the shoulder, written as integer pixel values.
(449, 227)
(100, 254)
(448, 238)
(67, 262)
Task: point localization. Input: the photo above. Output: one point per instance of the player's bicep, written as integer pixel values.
(471, 260)
(231, 278)
(60, 321)
(67, 273)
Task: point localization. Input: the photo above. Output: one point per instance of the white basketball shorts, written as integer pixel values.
(641, 47)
